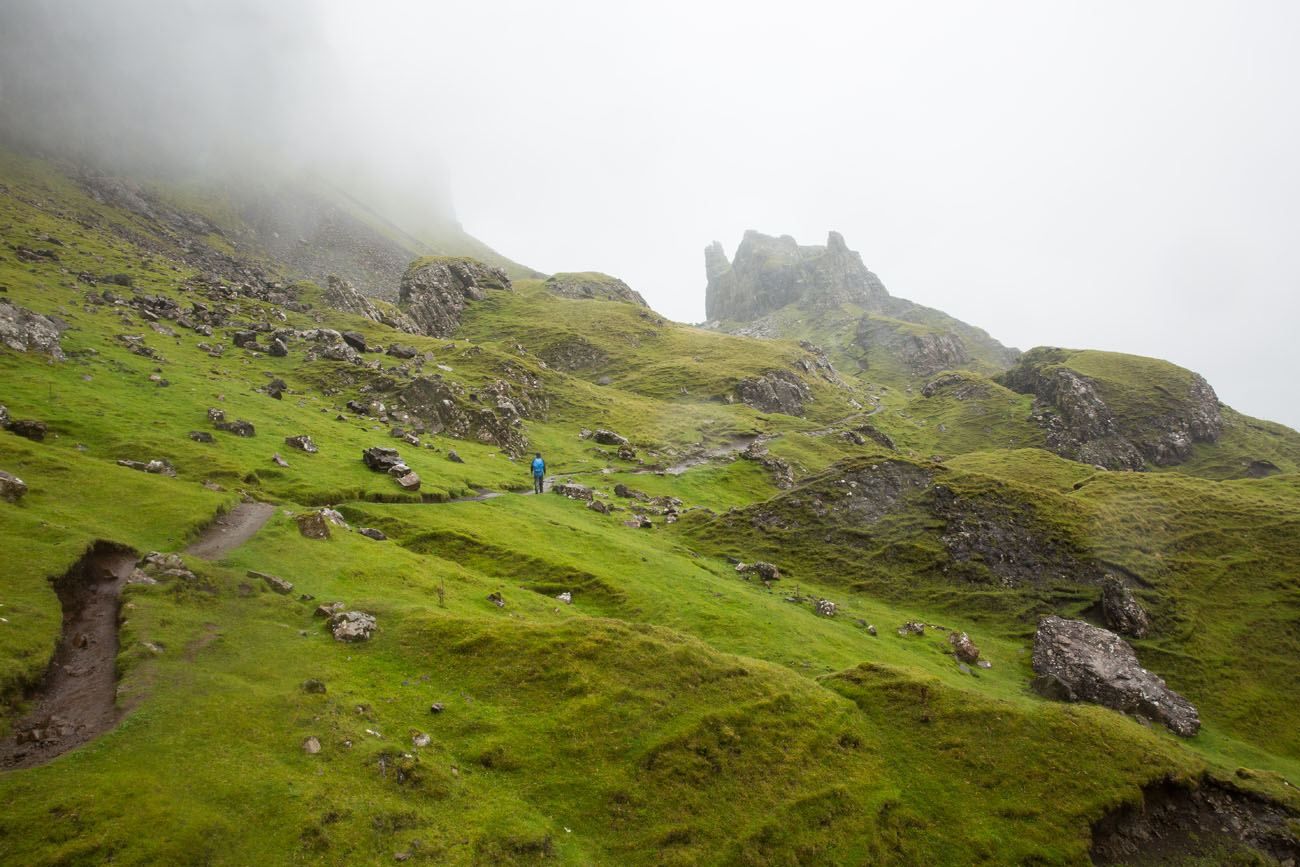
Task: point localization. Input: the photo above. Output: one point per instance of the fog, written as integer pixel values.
(1111, 175)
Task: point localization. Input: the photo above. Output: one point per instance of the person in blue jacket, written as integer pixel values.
(539, 472)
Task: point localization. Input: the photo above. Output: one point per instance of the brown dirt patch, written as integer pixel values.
(231, 530)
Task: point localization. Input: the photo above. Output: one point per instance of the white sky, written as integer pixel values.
(1116, 175)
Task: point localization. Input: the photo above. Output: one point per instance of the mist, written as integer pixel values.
(1106, 175)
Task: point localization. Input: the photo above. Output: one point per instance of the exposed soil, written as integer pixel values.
(1211, 824)
(231, 530)
(75, 700)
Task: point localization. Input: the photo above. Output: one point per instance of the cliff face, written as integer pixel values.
(770, 273)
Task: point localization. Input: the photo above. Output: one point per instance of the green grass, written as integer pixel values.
(675, 712)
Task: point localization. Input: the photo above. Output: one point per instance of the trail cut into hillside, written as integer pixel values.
(75, 700)
(231, 530)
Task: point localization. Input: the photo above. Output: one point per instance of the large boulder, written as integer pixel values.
(341, 295)
(436, 289)
(775, 391)
(592, 284)
(352, 626)
(12, 488)
(25, 331)
(1121, 610)
(1076, 661)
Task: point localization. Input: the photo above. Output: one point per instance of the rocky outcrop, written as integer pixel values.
(925, 352)
(775, 391)
(493, 414)
(769, 273)
(1121, 610)
(341, 295)
(1076, 661)
(352, 626)
(25, 331)
(435, 291)
(592, 284)
(12, 488)
(574, 353)
(1149, 421)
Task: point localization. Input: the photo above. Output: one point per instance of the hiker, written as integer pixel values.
(539, 473)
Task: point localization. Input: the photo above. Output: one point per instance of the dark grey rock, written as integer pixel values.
(1080, 662)
(775, 391)
(303, 442)
(202, 436)
(609, 438)
(239, 428)
(25, 331)
(964, 649)
(592, 284)
(435, 291)
(279, 585)
(12, 488)
(372, 533)
(28, 428)
(1121, 610)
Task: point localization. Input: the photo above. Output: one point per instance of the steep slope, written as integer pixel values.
(563, 679)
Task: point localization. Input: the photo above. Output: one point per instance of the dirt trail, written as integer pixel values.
(76, 700)
(231, 530)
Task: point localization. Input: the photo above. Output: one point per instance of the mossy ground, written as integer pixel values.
(675, 712)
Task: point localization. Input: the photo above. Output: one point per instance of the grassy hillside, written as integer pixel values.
(675, 712)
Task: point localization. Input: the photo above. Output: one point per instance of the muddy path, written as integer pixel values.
(230, 530)
(76, 699)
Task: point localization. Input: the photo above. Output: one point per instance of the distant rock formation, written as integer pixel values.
(436, 289)
(592, 284)
(770, 273)
(924, 352)
(341, 295)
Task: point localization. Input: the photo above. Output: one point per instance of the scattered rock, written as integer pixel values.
(963, 647)
(239, 428)
(302, 442)
(352, 626)
(454, 457)
(278, 348)
(25, 331)
(381, 460)
(313, 686)
(328, 609)
(775, 391)
(598, 506)
(435, 291)
(409, 481)
(622, 490)
(437, 707)
(765, 571)
(420, 739)
(912, 627)
(372, 533)
(572, 490)
(279, 585)
(12, 488)
(276, 388)
(497, 599)
(825, 608)
(158, 467)
(626, 453)
(609, 438)
(566, 597)
(278, 460)
(202, 436)
(311, 746)
(1076, 661)
(28, 428)
(1121, 610)
(313, 525)
(638, 522)
(355, 339)
(399, 350)
(871, 629)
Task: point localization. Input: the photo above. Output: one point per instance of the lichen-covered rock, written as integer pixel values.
(493, 414)
(1077, 661)
(572, 490)
(592, 284)
(1121, 610)
(313, 525)
(279, 585)
(825, 607)
(28, 428)
(341, 295)
(765, 571)
(381, 459)
(302, 442)
(25, 331)
(769, 273)
(963, 648)
(775, 391)
(12, 488)
(239, 428)
(609, 438)
(159, 467)
(352, 626)
(435, 291)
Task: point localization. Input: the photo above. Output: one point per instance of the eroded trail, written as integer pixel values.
(76, 700)
(231, 530)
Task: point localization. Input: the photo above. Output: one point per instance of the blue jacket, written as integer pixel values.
(539, 467)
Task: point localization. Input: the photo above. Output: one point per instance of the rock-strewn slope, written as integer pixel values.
(592, 284)
(436, 289)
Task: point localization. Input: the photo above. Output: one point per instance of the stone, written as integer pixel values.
(313, 686)
(12, 488)
(352, 626)
(436, 289)
(566, 597)
(1076, 661)
(825, 608)
(409, 481)
(311, 746)
(598, 506)
(572, 490)
(244, 339)
(626, 453)
(963, 648)
(497, 599)
(276, 388)
(328, 609)
(302, 442)
(420, 739)
(765, 571)
(216, 415)
(400, 350)
(609, 438)
(912, 627)
(381, 460)
(775, 391)
(638, 522)
(871, 629)
(1121, 610)
(454, 457)
(28, 429)
(278, 348)
(313, 525)
(355, 339)
(202, 436)
(278, 460)
(25, 331)
(437, 707)
(239, 428)
(279, 585)
(372, 533)
(157, 467)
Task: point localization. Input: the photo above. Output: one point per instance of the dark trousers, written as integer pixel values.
(537, 484)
